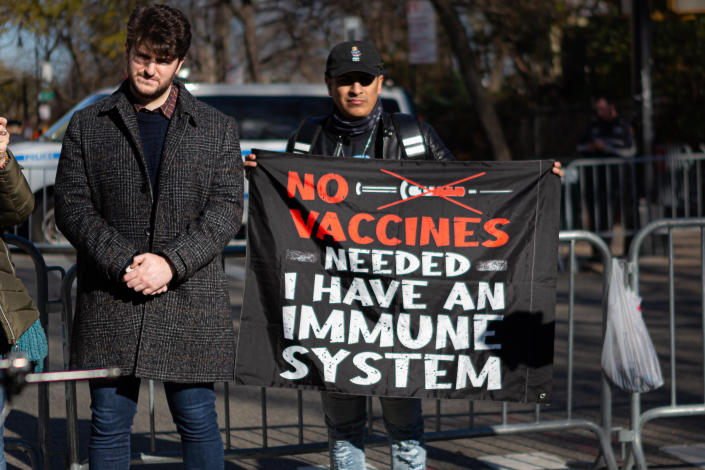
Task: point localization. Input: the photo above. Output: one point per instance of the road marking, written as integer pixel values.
(530, 461)
(693, 454)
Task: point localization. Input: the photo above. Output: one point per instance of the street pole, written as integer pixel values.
(642, 89)
(642, 84)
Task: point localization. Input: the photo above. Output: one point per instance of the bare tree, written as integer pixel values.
(245, 11)
(90, 34)
(467, 63)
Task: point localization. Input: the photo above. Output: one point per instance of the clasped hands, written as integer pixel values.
(149, 274)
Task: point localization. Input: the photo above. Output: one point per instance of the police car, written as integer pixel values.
(266, 114)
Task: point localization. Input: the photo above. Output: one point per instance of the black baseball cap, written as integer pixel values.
(353, 56)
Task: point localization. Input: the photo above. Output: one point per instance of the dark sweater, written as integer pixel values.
(153, 128)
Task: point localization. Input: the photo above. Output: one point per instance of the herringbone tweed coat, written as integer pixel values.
(105, 207)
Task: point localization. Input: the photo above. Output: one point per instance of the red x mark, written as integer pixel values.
(434, 192)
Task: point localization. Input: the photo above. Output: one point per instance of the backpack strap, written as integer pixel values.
(409, 134)
(306, 135)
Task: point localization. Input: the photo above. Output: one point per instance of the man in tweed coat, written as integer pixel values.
(149, 190)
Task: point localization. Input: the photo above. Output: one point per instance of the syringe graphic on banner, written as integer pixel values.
(406, 190)
(410, 190)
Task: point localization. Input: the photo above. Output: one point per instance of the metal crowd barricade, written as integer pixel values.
(45, 305)
(532, 419)
(604, 194)
(601, 430)
(633, 437)
(70, 387)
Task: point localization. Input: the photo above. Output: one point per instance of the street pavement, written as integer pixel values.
(668, 443)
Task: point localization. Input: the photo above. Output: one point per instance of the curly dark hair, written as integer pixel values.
(163, 29)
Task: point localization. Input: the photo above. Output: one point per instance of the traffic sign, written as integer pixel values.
(46, 95)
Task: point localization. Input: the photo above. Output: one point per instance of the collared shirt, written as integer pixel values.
(167, 109)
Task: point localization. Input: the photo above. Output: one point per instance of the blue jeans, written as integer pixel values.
(346, 416)
(192, 406)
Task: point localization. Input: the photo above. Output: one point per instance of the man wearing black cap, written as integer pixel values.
(359, 127)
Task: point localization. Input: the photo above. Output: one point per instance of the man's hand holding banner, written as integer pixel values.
(401, 278)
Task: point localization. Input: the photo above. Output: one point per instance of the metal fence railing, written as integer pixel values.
(617, 196)
(685, 324)
(611, 197)
(480, 419)
(479, 422)
(45, 306)
(448, 420)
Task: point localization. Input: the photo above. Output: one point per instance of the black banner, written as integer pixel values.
(401, 278)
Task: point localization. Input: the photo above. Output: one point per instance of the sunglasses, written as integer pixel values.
(363, 79)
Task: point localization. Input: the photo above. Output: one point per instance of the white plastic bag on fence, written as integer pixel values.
(628, 355)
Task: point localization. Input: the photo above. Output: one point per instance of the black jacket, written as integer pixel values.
(616, 135)
(386, 141)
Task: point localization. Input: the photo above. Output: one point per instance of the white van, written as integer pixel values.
(266, 114)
